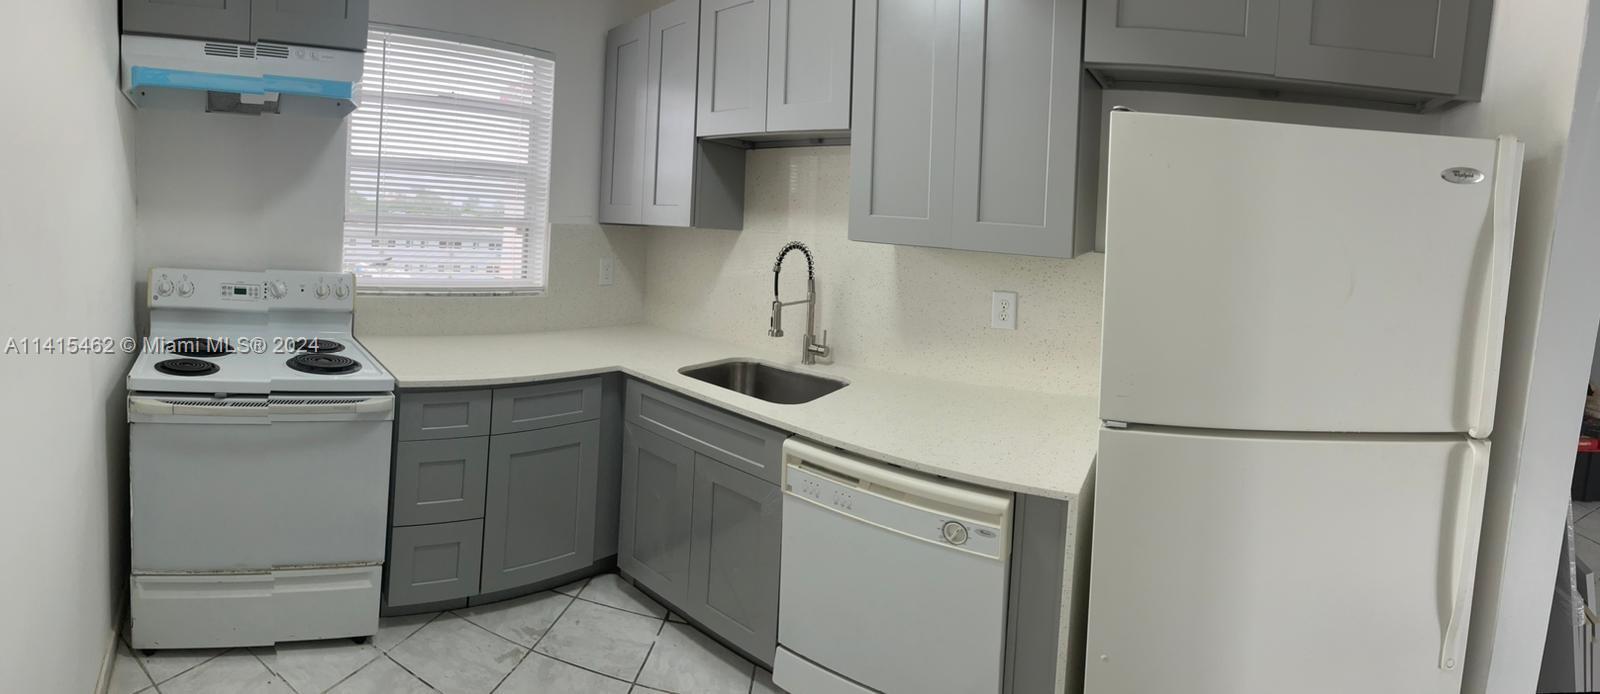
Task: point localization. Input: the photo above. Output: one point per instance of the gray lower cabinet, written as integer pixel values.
(1018, 175)
(439, 481)
(656, 514)
(224, 20)
(443, 415)
(331, 23)
(736, 534)
(1420, 53)
(429, 563)
(539, 514)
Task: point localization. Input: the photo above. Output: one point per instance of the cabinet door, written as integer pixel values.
(225, 20)
(657, 491)
(429, 563)
(733, 574)
(539, 513)
(1016, 187)
(808, 65)
(622, 123)
(669, 152)
(733, 67)
(444, 414)
(332, 23)
(1415, 45)
(904, 80)
(439, 481)
(1231, 35)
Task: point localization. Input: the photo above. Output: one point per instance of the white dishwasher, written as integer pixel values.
(892, 581)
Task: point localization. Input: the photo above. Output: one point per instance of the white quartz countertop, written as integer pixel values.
(1014, 440)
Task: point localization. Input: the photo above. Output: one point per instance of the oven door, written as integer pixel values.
(250, 482)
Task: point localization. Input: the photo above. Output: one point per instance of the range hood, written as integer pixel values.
(219, 76)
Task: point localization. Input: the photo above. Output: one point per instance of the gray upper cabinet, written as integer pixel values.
(1227, 35)
(657, 500)
(733, 67)
(226, 20)
(737, 532)
(331, 23)
(653, 170)
(539, 514)
(1413, 45)
(1421, 54)
(670, 104)
(622, 126)
(808, 65)
(1011, 180)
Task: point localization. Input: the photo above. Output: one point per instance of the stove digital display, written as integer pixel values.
(239, 291)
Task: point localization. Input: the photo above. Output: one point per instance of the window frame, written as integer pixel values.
(543, 236)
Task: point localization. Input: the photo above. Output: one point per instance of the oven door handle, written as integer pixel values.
(157, 407)
(377, 404)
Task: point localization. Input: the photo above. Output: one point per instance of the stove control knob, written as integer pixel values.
(322, 291)
(955, 533)
(341, 291)
(164, 287)
(186, 288)
(278, 289)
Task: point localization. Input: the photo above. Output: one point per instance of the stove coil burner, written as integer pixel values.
(187, 367)
(198, 347)
(315, 345)
(323, 364)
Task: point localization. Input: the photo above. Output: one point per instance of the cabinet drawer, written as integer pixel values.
(524, 408)
(440, 481)
(443, 415)
(753, 448)
(428, 563)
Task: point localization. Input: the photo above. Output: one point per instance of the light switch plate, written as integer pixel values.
(1003, 310)
(608, 271)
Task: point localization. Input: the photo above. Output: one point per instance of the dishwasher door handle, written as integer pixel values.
(870, 476)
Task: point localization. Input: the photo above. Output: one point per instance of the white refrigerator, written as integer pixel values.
(1299, 364)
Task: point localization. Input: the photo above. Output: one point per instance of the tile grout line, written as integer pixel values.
(384, 654)
(157, 685)
(529, 649)
(342, 680)
(648, 652)
(138, 662)
(269, 669)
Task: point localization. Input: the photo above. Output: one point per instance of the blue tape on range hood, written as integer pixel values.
(214, 82)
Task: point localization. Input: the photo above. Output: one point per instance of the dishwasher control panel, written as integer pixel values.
(896, 512)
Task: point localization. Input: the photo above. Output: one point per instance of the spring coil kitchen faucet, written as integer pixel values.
(810, 348)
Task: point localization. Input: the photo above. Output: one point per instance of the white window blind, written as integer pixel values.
(449, 168)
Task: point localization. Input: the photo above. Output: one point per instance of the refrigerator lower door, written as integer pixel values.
(1244, 564)
(1275, 277)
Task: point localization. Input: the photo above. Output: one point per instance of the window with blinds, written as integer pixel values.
(449, 168)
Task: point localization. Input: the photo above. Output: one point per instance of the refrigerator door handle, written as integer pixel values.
(1467, 517)
(1486, 378)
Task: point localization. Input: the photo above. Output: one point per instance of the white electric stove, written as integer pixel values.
(259, 440)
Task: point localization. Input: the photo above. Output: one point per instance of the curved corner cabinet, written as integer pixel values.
(501, 491)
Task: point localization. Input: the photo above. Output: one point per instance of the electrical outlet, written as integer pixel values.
(608, 271)
(1003, 310)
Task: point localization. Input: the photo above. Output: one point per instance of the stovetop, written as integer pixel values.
(218, 332)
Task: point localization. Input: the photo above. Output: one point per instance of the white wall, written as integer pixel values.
(256, 192)
(66, 254)
(1535, 51)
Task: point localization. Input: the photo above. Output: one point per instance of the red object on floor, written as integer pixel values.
(1588, 444)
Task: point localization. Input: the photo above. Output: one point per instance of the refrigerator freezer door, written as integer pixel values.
(1270, 563)
(1263, 276)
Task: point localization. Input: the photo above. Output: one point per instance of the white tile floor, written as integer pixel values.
(596, 636)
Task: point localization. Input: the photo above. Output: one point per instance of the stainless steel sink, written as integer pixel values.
(764, 381)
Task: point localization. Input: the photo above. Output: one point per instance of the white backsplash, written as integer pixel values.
(573, 299)
(897, 308)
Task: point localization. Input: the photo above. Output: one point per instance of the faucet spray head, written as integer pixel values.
(775, 324)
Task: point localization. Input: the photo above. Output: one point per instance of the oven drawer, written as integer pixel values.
(443, 415)
(543, 405)
(440, 481)
(748, 446)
